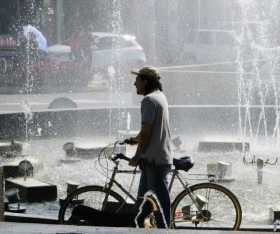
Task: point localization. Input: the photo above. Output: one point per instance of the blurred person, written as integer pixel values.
(38, 38)
(80, 43)
(28, 58)
(153, 154)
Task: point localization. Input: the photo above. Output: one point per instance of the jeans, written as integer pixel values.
(154, 178)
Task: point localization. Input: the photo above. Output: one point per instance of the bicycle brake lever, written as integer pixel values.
(122, 156)
(125, 141)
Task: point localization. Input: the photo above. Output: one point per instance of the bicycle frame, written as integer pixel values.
(113, 181)
(174, 175)
(197, 195)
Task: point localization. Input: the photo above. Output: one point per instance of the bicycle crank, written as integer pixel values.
(201, 216)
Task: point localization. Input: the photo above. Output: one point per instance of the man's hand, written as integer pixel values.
(134, 162)
(131, 141)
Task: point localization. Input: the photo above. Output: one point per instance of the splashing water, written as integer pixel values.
(257, 91)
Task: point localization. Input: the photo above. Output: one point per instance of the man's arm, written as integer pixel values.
(143, 140)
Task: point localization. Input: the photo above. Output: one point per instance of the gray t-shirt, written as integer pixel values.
(154, 110)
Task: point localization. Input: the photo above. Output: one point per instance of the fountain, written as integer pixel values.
(258, 96)
(233, 105)
(127, 132)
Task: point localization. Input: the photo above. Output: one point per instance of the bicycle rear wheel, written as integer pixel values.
(90, 196)
(219, 208)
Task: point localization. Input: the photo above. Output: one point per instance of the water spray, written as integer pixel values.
(252, 159)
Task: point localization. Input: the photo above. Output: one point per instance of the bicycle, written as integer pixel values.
(204, 205)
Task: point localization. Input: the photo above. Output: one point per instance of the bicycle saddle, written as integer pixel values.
(184, 163)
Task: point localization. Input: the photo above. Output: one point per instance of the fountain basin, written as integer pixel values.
(223, 146)
(10, 170)
(221, 170)
(89, 150)
(20, 167)
(32, 190)
(10, 149)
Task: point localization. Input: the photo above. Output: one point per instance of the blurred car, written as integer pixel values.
(104, 49)
(88, 59)
(251, 55)
(208, 46)
(59, 69)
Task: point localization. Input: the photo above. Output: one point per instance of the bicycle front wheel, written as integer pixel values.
(206, 206)
(95, 197)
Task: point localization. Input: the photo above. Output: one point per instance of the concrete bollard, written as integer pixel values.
(2, 205)
(222, 170)
(260, 165)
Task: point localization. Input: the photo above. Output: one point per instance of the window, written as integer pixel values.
(103, 43)
(126, 43)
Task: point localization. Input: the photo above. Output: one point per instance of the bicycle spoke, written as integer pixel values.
(91, 197)
(212, 208)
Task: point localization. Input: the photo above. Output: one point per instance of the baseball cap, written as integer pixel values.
(150, 72)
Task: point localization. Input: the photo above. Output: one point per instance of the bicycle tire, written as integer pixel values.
(215, 215)
(86, 195)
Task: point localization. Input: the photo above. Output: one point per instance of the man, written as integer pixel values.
(153, 154)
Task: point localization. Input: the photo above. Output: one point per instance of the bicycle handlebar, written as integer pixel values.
(117, 156)
(120, 156)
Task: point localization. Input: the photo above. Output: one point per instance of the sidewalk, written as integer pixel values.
(27, 228)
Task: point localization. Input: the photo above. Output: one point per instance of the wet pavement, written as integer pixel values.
(24, 228)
